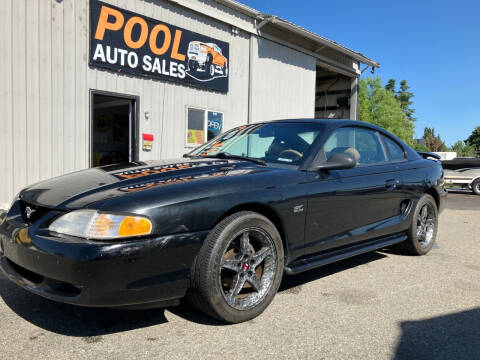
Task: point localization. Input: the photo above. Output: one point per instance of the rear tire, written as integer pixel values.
(238, 269)
(423, 230)
(476, 187)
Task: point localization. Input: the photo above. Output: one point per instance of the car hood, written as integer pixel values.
(81, 188)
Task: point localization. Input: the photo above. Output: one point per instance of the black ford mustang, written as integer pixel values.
(223, 224)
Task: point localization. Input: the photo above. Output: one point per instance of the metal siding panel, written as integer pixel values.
(6, 103)
(69, 101)
(81, 93)
(57, 88)
(283, 82)
(19, 170)
(45, 90)
(32, 92)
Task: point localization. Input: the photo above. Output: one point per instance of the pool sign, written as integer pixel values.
(123, 41)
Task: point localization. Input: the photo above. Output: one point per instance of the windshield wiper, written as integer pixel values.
(226, 155)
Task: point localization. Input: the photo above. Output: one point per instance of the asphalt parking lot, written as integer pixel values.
(382, 305)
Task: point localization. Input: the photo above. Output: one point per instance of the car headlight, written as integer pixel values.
(91, 224)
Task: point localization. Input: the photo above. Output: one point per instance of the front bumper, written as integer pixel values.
(89, 273)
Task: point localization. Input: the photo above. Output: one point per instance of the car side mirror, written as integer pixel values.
(339, 161)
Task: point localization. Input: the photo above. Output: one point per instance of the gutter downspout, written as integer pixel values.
(250, 79)
(267, 19)
(264, 20)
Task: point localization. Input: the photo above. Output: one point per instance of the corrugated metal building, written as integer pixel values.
(85, 83)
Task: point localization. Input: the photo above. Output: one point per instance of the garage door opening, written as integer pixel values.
(332, 95)
(113, 129)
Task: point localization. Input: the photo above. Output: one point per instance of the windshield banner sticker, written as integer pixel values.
(123, 41)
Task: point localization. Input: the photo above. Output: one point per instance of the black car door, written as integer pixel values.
(352, 205)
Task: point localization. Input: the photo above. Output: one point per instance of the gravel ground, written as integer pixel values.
(381, 305)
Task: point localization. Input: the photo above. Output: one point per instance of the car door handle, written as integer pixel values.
(391, 184)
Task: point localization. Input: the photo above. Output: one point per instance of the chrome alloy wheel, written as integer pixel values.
(476, 187)
(247, 269)
(426, 225)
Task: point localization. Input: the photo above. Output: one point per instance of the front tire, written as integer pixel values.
(476, 187)
(238, 269)
(423, 230)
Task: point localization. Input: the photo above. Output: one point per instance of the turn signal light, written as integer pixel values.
(134, 226)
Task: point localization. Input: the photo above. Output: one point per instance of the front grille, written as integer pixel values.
(31, 213)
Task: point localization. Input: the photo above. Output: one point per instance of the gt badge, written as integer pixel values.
(297, 209)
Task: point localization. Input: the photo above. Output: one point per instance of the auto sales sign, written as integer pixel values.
(123, 41)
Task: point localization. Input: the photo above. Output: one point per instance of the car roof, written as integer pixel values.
(336, 123)
(330, 122)
(322, 121)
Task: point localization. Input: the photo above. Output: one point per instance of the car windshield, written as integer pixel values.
(278, 142)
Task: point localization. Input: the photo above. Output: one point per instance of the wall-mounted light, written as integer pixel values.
(235, 30)
(147, 115)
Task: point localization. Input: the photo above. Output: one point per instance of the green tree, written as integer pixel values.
(474, 139)
(391, 85)
(434, 142)
(404, 97)
(379, 106)
(420, 147)
(463, 148)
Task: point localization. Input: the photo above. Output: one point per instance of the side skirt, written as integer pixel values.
(342, 253)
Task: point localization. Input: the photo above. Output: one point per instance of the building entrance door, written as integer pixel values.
(113, 129)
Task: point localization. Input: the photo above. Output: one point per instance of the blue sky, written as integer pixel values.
(434, 45)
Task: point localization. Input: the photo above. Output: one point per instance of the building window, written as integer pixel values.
(203, 125)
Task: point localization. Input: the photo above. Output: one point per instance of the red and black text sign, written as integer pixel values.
(124, 41)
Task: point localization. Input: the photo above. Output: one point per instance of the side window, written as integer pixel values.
(369, 146)
(394, 150)
(342, 138)
(363, 144)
